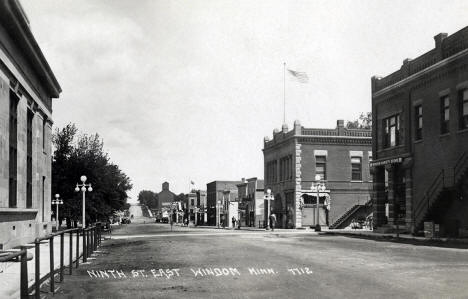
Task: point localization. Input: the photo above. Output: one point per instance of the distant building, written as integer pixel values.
(27, 87)
(251, 202)
(222, 202)
(165, 197)
(420, 148)
(340, 156)
(191, 206)
(201, 204)
(167, 202)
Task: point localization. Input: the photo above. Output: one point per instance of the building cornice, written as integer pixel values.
(421, 73)
(14, 19)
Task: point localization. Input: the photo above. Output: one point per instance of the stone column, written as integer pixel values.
(378, 195)
(409, 221)
(297, 220)
(391, 196)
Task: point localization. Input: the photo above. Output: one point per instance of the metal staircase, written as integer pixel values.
(349, 214)
(442, 183)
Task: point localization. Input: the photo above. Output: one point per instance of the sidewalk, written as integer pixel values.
(10, 276)
(368, 234)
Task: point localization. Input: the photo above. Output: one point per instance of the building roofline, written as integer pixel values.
(447, 48)
(16, 22)
(421, 73)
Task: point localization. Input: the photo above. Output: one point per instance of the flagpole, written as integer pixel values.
(284, 92)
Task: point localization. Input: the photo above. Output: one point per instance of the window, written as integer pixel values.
(391, 133)
(463, 109)
(192, 202)
(418, 122)
(356, 169)
(444, 114)
(44, 126)
(29, 159)
(321, 166)
(13, 147)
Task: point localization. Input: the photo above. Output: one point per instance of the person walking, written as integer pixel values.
(272, 222)
(233, 222)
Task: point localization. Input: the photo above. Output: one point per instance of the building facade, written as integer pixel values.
(420, 129)
(251, 202)
(221, 200)
(292, 159)
(27, 87)
(201, 215)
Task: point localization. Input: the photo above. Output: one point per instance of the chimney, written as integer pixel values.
(284, 128)
(340, 126)
(439, 38)
(297, 127)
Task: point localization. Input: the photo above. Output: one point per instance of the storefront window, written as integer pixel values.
(391, 131)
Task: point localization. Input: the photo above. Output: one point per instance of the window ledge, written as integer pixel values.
(462, 131)
(444, 135)
(18, 210)
(418, 141)
(356, 181)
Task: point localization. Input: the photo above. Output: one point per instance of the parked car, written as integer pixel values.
(126, 220)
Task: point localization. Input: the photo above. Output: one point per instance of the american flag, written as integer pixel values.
(192, 182)
(299, 76)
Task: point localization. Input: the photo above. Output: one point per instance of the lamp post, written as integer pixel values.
(226, 202)
(57, 201)
(218, 214)
(268, 196)
(319, 187)
(83, 187)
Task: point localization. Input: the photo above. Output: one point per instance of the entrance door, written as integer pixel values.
(308, 216)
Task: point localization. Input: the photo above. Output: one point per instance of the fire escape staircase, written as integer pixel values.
(442, 183)
(350, 214)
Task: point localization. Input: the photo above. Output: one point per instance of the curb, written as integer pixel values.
(393, 237)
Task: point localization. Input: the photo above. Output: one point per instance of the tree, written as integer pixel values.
(363, 122)
(84, 155)
(148, 198)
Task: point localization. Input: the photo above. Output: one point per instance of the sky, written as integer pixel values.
(186, 91)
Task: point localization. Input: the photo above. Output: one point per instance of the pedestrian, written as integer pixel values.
(233, 222)
(272, 221)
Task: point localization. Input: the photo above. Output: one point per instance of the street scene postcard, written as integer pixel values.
(233, 149)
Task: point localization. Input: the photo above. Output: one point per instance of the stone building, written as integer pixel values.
(420, 148)
(167, 201)
(251, 202)
(221, 200)
(27, 87)
(340, 156)
(201, 213)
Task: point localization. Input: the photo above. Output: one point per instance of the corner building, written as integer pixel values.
(340, 156)
(420, 148)
(27, 87)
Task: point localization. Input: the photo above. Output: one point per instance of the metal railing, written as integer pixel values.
(91, 240)
(437, 185)
(460, 165)
(23, 258)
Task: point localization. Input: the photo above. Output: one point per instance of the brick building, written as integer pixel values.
(251, 203)
(420, 129)
(221, 200)
(293, 158)
(27, 87)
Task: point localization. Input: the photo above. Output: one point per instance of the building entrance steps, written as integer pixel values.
(10, 271)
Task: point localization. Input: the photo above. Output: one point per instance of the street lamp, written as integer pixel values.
(319, 187)
(83, 187)
(57, 201)
(226, 203)
(268, 196)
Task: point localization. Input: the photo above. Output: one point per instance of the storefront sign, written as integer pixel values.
(386, 162)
